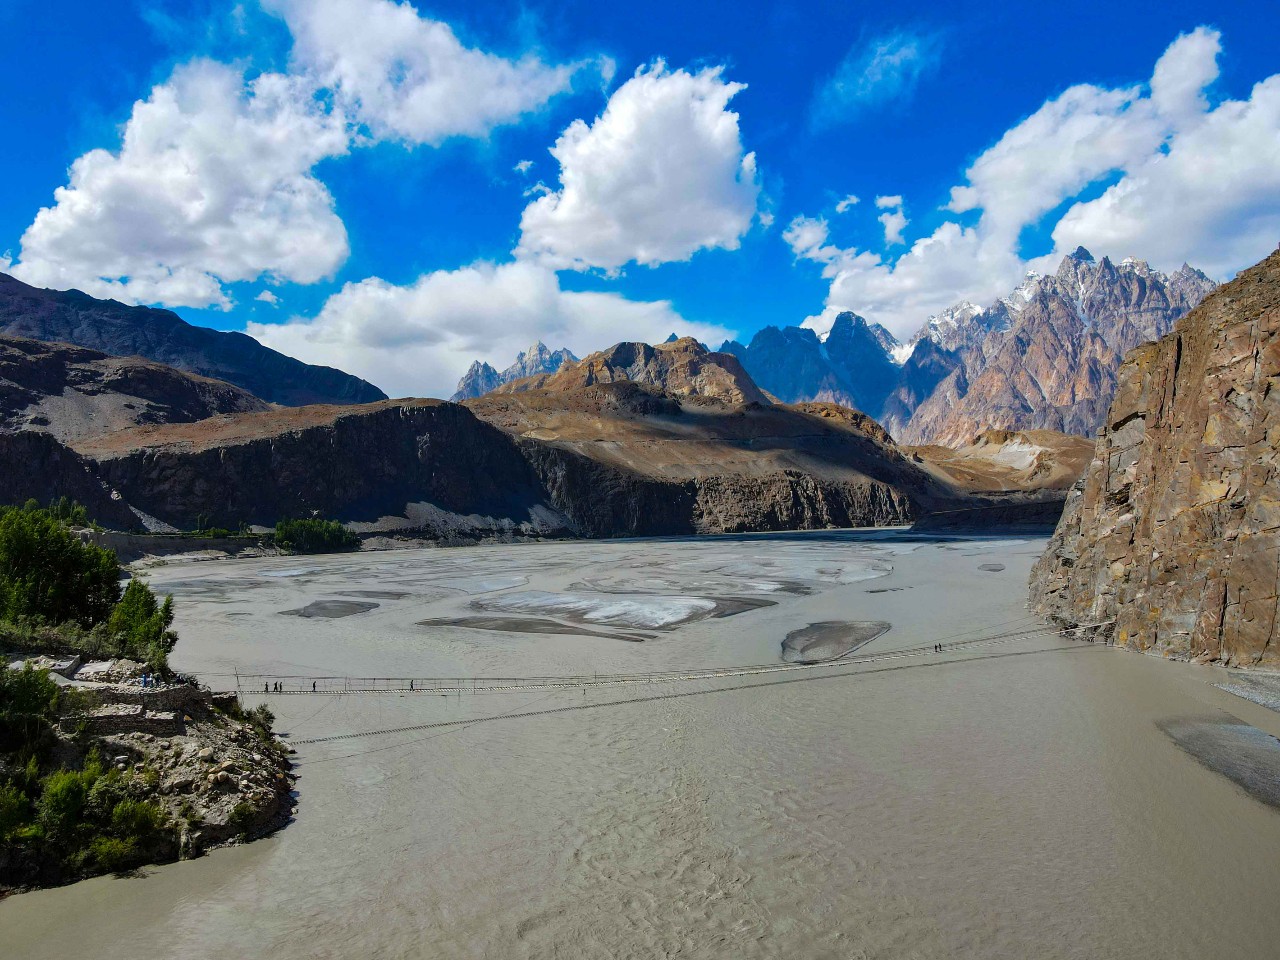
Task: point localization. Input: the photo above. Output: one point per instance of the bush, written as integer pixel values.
(314, 536)
(49, 575)
(261, 718)
(112, 853)
(241, 818)
(62, 802)
(136, 818)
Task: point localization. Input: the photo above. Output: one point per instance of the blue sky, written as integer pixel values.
(312, 154)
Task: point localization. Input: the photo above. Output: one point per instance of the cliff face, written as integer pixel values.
(69, 316)
(35, 466)
(1174, 532)
(72, 392)
(414, 460)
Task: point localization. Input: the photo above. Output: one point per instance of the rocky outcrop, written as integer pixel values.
(213, 776)
(480, 378)
(73, 317)
(1171, 542)
(680, 368)
(73, 393)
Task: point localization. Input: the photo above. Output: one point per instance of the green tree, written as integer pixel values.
(28, 702)
(314, 536)
(140, 624)
(49, 575)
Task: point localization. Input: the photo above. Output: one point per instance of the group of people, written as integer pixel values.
(937, 648)
(278, 687)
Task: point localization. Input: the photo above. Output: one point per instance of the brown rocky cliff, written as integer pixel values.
(1174, 532)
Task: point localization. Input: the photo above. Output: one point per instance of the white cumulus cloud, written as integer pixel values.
(407, 77)
(212, 184)
(846, 203)
(1192, 181)
(658, 176)
(417, 340)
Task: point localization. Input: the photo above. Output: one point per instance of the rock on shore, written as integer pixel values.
(1174, 531)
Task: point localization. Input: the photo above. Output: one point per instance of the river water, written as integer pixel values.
(1019, 796)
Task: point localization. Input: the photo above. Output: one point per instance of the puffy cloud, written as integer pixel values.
(417, 340)
(846, 203)
(877, 71)
(406, 77)
(1212, 199)
(212, 184)
(893, 219)
(1192, 182)
(523, 167)
(659, 175)
(266, 296)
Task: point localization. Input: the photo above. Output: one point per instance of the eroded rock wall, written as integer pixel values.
(1174, 531)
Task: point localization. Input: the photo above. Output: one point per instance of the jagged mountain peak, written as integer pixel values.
(481, 377)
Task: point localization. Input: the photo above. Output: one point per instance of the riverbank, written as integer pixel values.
(143, 774)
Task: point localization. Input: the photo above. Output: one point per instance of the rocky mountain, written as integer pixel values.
(73, 317)
(1171, 542)
(1043, 357)
(853, 365)
(480, 378)
(635, 440)
(682, 368)
(73, 392)
(1046, 356)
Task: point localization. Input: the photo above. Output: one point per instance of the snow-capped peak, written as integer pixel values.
(1023, 294)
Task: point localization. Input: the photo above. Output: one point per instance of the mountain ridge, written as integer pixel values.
(117, 329)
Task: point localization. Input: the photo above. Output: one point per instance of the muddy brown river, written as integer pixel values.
(1016, 795)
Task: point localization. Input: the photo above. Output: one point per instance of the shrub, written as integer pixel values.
(261, 718)
(113, 853)
(241, 818)
(49, 575)
(136, 818)
(62, 802)
(314, 536)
